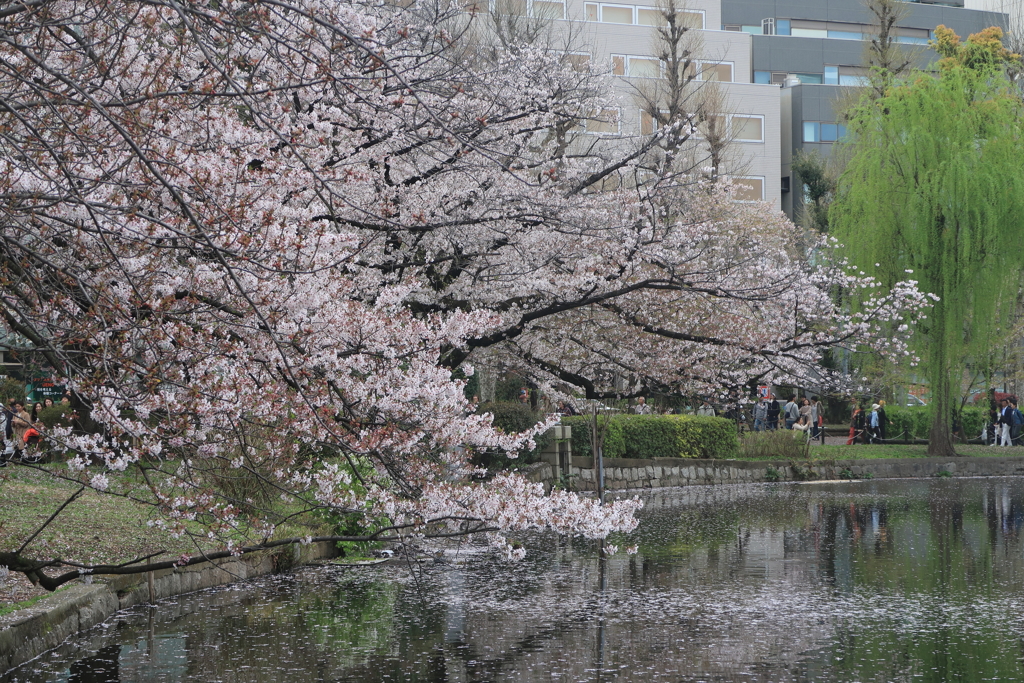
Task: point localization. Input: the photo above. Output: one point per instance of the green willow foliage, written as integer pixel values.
(935, 185)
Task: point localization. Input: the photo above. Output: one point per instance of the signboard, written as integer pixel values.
(41, 389)
(762, 391)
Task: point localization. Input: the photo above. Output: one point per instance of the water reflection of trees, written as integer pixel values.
(697, 602)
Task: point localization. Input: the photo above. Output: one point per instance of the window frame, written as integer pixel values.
(702, 65)
(729, 132)
(627, 70)
(605, 134)
(654, 124)
(563, 3)
(840, 130)
(615, 5)
(566, 59)
(635, 13)
(758, 117)
(761, 179)
(530, 11)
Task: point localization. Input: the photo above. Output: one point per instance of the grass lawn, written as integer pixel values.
(95, 528)
(873, 451)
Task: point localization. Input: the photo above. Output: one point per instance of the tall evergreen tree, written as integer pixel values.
(935, 185)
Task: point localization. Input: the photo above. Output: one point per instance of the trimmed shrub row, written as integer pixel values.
(658, 436)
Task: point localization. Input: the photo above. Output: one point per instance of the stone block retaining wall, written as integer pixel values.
(621, 473)
(29, 632)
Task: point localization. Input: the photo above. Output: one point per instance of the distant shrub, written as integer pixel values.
(778, 443)
(11, 388)
(56, 415)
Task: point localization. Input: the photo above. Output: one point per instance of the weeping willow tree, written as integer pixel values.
(935, 184)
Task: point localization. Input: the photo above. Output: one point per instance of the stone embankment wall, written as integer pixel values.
(620, 473)
(27, 633)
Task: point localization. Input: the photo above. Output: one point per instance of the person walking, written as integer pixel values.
(815, 417)
(883, 421)
(792, 411)
(857, 426)
(873, 424)
(760, 414)
(772, 413)
(706, 409)
(20, 424)
(1005, 422)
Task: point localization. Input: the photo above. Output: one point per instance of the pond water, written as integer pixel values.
(862, 581)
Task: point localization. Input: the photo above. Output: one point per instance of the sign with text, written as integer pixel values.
(44, 388)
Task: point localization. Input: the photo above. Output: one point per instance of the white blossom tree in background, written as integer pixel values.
(257, 238)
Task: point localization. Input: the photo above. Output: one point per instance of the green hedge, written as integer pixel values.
(917, 421)
(658, 436)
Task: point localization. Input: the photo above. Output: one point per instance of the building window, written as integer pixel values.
(642, 16)
(579, 61)
(616, 14)
(511, 8)
(636, 67)
(542, 9)
(846, 75)
(721, 71)
(748, 128)
(648, 124)
(841, 30)
(735, 127)
(652, 16)
(820, 131)
(763, 77)
(813, 79)
(545, 9)
(747, 189)
(604, 122)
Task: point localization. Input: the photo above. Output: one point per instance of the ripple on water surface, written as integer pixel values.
(868, 581)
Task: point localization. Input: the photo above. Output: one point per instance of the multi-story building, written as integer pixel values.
(780, 67)
(812, 48)
(622, 35)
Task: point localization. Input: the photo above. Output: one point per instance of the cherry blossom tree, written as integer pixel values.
(257, 238)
